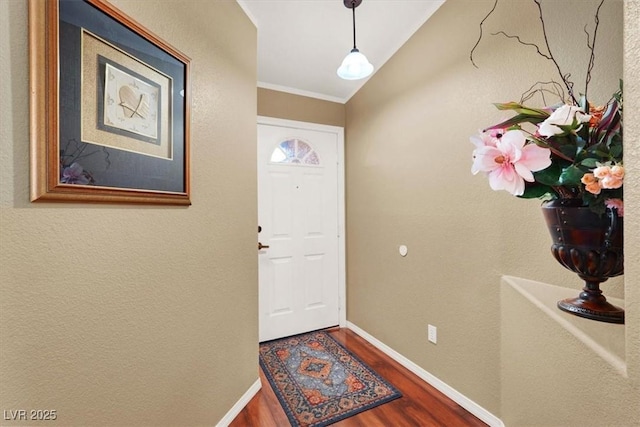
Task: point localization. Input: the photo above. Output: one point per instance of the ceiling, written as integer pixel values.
(301, 43)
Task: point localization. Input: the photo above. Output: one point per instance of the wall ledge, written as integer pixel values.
(607, 340)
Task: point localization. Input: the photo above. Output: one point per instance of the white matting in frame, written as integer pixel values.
(130, 104)
(126, 104)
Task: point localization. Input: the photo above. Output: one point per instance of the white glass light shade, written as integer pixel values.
(355, 66)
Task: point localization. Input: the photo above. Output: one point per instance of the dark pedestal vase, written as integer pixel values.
(591, 246)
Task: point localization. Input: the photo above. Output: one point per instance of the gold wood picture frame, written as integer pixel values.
(110, 108)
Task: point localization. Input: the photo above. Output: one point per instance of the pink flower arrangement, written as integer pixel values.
(570, 150)
(556, 153)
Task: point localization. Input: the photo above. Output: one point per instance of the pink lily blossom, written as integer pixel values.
(489, 137)
(510, 162)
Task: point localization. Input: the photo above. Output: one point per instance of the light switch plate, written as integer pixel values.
(433, 334)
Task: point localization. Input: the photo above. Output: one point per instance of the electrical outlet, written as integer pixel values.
(433, 334)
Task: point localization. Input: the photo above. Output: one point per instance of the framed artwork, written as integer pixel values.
(110, 108)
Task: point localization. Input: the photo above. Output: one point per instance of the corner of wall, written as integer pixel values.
(560, 362)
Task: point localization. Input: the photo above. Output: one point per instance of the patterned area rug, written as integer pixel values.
(319, 382)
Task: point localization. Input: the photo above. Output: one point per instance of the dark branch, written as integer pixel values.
(524, 43)
(588, 36)
(592, 47)
(564, 77)
(555, 89)
(480, 37)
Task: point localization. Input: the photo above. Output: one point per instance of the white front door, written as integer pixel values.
(298, 212)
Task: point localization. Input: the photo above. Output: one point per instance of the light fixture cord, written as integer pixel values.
(353, 8)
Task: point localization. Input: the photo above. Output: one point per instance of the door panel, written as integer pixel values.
(298, 213)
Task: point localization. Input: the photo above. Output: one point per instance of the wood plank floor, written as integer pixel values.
(421, 405)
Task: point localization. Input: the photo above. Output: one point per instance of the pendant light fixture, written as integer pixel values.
(355, 65)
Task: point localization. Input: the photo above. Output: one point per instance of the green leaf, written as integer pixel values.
(589, 163)
(521, 109)
(539, 141)
(536, 191)
(580, 144)
(568, 150)
(600, 153)
(596, 204)
(515, 120)
(566, 129)
(616, 150)
(571, 175)
(549, 176)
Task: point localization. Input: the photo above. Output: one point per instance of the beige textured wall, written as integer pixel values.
(124, 315)
(549, 377)
(409, 182)
(632, 192)
(272, 103)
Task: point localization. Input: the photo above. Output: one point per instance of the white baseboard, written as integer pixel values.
(240, 404)
(445, 389)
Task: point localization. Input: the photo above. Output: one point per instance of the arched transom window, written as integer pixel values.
(295, 151)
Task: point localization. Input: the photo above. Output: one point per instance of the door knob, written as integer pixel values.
(261, 246)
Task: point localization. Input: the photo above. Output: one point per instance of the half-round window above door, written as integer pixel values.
(295, 151)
